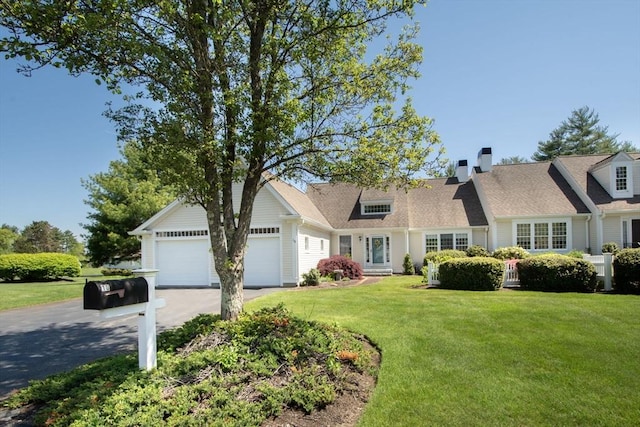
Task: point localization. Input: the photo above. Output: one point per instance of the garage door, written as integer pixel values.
(262, 262)
(183, 262)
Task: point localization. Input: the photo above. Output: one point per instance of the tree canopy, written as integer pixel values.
(580, 134)
(40, 236)
(225, 91)
(121, 199)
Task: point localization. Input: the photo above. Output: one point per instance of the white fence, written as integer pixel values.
(602, 263)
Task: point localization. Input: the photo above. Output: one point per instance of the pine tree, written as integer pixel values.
(580, 134)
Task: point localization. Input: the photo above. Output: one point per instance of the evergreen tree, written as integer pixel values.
(121, 199)
(580, 134)
(39, 236)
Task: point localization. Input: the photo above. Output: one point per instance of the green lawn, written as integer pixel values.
(16, 295)
(489, 358)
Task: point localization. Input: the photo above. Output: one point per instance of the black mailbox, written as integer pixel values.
(115, 293)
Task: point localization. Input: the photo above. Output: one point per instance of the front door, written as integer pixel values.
(377, 250)
(635, 233)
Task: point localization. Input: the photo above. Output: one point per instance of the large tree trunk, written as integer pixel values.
(231, 289)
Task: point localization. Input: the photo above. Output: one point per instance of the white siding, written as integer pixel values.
(319, 243)
(288, 253)
(183, 217)
(611, 230)
(147, 249)
(398, 250)
(478, 237)
(603, 176)
(416, 247)
(505, 234)
(636, 177)
(579, 234)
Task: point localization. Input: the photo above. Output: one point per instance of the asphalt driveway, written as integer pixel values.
(39, 341)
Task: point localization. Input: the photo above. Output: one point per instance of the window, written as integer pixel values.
(372, 209)
(321, 245)
(264, 230)
(621, 178)
(306, 243)
(523, 236)
(559, 235)
(182, 233)
(345, 246)
(440, 242)
(431, 243)
(543, 235)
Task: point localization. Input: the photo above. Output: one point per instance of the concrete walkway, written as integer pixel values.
(39, 341)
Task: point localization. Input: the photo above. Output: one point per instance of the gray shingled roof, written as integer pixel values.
(299, 201)
(529, 189)
(578, 167)
(446, 203)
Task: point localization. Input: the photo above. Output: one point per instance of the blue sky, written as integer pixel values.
(496, 73)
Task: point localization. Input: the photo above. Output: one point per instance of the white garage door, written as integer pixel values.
(183, 262)
(262, 262)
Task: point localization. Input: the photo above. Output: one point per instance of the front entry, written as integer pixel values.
(377, 251)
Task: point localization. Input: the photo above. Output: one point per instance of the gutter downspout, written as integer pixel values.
(588, 234)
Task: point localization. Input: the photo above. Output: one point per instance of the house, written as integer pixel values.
(570, 203)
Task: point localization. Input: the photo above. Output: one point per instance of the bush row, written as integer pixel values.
(473, 274)
(40, 266)
(626, 266)
(557, 273)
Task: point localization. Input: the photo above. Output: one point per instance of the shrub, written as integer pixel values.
(576, 254)
(511, 252)
(610, 247)
(557, 273)
(312, 278)
(349, 267)
(116, 272)
(438, 257)
(37, 267)
(477, 250)
(627, 271)
(472, 274)
(407, 265)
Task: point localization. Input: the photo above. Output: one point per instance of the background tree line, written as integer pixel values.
(39, 236)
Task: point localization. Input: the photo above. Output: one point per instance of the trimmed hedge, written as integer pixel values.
(626, 266)
(472, 274)
(557, 273)
(510, 252)
(349, 267)
(438, 257)
(477, 250)
(38, 267)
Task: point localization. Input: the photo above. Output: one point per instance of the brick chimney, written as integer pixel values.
(484, 159)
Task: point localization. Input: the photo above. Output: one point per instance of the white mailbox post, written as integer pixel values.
(147, 346)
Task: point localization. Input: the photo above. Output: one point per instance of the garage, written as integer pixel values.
(187, 261)
(183, 262)
(262, 262)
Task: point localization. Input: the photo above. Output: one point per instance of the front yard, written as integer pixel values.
(478, 358)
(489, 358)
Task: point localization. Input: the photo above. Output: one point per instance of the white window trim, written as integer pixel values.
(375, 203)
(628, 192)
(455, 232)
(549, 221)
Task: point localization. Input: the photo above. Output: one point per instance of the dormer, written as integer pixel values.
(376, 202)
(615, 174)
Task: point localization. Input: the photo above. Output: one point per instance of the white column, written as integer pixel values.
(608, 271)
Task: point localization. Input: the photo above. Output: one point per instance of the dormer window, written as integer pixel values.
(621, 178)
(376, 209)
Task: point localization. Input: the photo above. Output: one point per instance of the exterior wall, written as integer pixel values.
(416, 247)
(398, 247)
(505, 234)
(479, 237)
(636, 177)
(147, 259)
(319, 243)
(578, 234)
(603, 176)
(288, 232)
(183, 217)
(611, 231)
